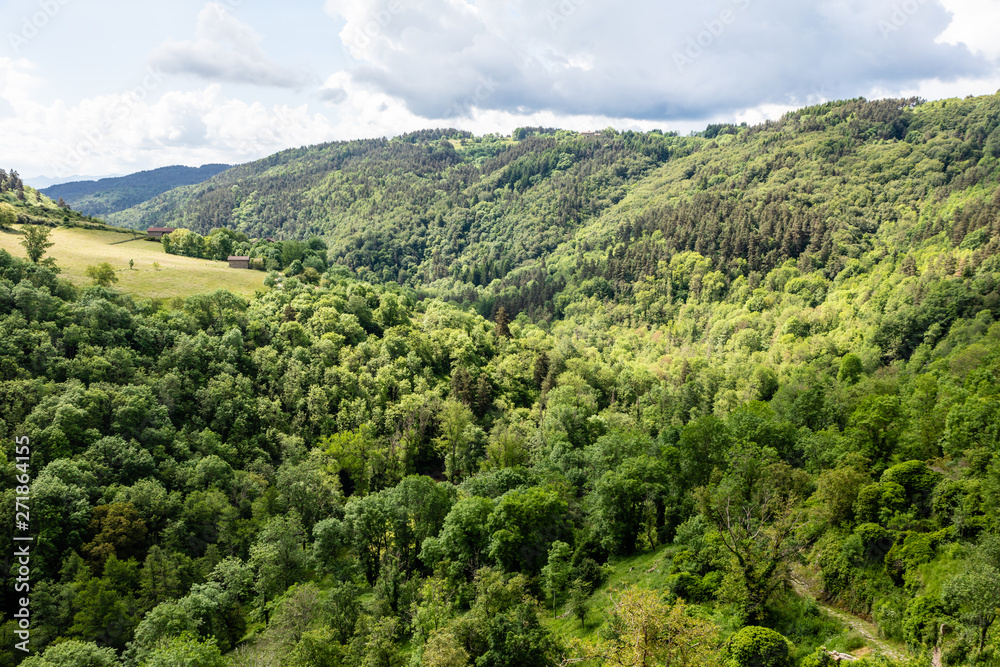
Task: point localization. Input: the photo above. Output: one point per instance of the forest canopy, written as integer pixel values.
(623, 399)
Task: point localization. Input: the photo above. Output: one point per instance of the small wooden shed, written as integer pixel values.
(239, 262)
(159, 232)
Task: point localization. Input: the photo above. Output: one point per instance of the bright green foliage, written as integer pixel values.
(851, 368)
(754, 646)
(577, 601)
(917, 480)
(924, 617)
(644, 631)
(294, 257)
(186, 650)
(838, 490)
(278, 556)
(455, 420)
(35, 241)
(754, 509)
(556, 572)
(502, 626)
(102, 274)
(396, 522)
(444, 650)
(464, 539)
(877, 503)
(876, 425)
(974, 593)
(8, 215)
(73, 653)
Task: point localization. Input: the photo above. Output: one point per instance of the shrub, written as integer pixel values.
(8, 215)
(921, 621)
(879, 501)
(754, 646)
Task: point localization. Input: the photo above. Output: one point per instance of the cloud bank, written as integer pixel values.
(225, 50)
(647, 60)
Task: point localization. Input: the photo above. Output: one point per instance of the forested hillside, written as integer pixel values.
(457, 212)
(20, 203)
(626, 399)
(110, 195)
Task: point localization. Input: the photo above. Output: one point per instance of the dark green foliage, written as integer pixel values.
(702, 446)
(628, 502)
(463, 540)
(502, 627)
(851, 369)
(876, 503)
(917, 480)
(523, 525)
(397, 522)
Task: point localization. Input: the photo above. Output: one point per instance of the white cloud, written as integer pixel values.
(17, 79)
(225, 50)
(131, 131)
(974, 23)
(366, 112)
(647, 59)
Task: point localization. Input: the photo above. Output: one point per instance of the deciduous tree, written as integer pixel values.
(647, 631)
(36, 241)
(754, 508)
(102, 274)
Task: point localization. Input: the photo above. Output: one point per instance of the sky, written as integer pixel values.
(109, 87)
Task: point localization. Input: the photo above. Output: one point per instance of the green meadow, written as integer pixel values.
(154, 273)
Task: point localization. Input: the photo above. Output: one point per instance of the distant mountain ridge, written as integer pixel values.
(110, 195)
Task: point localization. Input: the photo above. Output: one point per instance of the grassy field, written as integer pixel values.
(156, 275)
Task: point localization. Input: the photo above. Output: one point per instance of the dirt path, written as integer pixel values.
(806, 586)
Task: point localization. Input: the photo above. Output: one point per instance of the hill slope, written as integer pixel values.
(153, 274)
(822, 183)
(33, 207)
(109, 195)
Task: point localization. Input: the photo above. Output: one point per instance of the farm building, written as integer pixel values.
(239, 262)
(159, 232)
